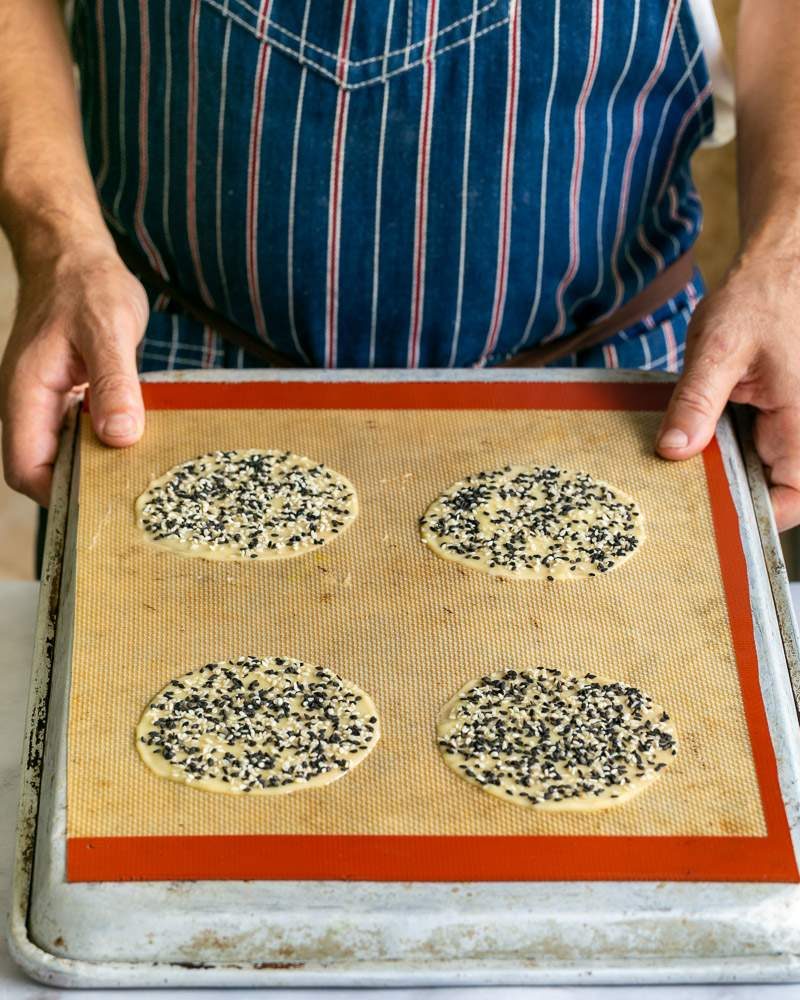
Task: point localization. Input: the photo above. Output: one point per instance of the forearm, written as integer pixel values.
(768, 112)
(47, 197)
(742, 343)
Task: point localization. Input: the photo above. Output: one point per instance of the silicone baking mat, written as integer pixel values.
(411, 628)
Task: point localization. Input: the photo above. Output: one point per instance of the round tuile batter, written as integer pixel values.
(543, 740)
(247, 504)
(530, 522)
(263, 726)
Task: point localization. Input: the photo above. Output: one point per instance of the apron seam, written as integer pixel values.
(388, 54)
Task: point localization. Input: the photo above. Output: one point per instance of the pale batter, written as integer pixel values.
(540, 739)
(528, 522)
(264, 726)
(246, 505)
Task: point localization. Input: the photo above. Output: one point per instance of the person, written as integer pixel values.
(390, 183)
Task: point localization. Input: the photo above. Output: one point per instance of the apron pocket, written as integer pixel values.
(354, 46)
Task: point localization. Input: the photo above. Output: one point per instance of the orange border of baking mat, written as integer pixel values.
(474, 858)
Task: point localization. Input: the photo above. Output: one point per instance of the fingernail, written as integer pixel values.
(119, 425)
(673, 438)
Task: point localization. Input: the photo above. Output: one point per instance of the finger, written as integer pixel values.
(776, 435)
(786, 504)
(115, 394)
(32, 419)
(784, 480)
(777, 440)
(714, 365)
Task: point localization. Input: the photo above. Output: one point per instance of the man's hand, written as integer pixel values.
(80, 313)
(79, 319)
(743, 345)
(743, 340)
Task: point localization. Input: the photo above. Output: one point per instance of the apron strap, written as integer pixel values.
(138, 264)
(665, 286)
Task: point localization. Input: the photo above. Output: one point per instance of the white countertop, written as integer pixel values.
(17, 608)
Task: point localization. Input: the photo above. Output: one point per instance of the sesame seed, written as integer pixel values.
(257, 724)
(534, 522)
(541, 738)
(247, 505)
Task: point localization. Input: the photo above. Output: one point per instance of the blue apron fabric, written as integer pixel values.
(399, 183)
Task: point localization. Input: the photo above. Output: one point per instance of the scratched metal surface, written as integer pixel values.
(333, 933)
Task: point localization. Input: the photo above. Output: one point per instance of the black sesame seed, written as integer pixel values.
(563, 737)
(246, 704)
(580, 523)
(250, 502)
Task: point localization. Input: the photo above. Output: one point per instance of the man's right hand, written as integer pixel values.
(80, 317)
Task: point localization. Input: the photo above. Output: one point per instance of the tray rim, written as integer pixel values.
(50, 967)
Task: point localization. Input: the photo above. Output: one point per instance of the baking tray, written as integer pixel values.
(377, 933)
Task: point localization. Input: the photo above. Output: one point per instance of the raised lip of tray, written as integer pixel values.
(738, 908)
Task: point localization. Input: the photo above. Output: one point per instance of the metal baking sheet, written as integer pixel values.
(314, 933)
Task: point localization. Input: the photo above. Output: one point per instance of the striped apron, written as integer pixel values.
(399, 183)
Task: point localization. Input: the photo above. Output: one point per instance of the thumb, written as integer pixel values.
(116, 396)
(712, 369)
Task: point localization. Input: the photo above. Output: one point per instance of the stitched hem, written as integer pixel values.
(373, 68)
